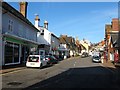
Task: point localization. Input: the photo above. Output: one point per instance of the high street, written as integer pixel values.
(75, 72)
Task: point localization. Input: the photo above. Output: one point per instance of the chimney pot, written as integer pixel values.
(37, 18)
(115, 24)
(46, 24)
(23, 8)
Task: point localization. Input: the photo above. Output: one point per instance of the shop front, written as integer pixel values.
(63, 53)
(16, 50)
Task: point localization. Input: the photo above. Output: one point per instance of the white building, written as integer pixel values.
(86, 44)
(43, 36)
(64, 49)
(49, 42)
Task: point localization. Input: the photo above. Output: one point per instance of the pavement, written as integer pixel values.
(108, 64)
(7, 69)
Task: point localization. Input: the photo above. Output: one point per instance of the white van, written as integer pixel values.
(36, 61)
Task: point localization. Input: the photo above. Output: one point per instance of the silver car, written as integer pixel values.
(96, 59)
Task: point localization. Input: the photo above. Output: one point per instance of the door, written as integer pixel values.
(43, 61)
(25, 53)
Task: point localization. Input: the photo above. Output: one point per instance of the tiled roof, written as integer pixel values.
(62, 40)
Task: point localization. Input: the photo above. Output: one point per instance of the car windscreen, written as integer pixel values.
(33, 59)
(47, 56)
(96, 57)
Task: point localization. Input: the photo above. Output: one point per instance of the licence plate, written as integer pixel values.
(32, 64)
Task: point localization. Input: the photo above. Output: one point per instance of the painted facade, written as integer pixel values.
(43, 36)
(19, 36)
(55, 43)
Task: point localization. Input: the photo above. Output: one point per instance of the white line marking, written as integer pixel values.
(74, 64)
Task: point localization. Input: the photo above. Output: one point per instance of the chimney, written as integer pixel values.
(115, 26)
(46, 24)
(23, 8)
(37, 21)
(108, 28)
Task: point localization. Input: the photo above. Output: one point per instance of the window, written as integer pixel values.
(33, 59)
(42, 32)
(11, 53)
(8, 53)
(16, 53)
(10, 25)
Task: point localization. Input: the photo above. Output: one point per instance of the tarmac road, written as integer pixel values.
(75, 72)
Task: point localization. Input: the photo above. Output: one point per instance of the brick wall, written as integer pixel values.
(115, 24)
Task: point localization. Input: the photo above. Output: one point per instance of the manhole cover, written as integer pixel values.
(14, 83)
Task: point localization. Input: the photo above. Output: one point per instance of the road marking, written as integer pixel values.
(74, 64)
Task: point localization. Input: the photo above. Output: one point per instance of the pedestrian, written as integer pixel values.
(116, 58)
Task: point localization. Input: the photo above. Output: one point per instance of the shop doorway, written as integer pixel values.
(24, 54)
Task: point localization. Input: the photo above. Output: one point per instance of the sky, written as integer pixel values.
(77, 19)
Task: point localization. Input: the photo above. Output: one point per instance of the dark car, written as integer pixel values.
(51, 59)
(84, 54)
(57, 57)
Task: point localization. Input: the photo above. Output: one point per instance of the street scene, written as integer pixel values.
(59, 45)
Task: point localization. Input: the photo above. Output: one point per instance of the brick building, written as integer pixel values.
(111, 37)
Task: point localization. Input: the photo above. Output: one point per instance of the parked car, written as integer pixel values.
(84, 54)
(51, 59)
(90, 53)
(96, 58)
(57, 57)
(96, 54)
(36, 61)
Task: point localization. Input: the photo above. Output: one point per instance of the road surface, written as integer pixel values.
(75, 72)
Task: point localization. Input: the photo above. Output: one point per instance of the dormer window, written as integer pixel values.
(42, 32)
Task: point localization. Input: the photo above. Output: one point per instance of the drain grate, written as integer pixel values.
(14, 83)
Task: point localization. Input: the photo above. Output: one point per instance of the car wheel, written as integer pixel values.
(41, 66)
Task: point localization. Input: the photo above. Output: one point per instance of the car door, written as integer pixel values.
(43, 61)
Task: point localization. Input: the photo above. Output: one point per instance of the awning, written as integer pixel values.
(22, 40)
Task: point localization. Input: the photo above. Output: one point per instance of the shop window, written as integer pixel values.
(11, 53)
(16, 53)
(8, 52)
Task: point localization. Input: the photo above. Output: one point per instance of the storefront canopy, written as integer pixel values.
(20, 40)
